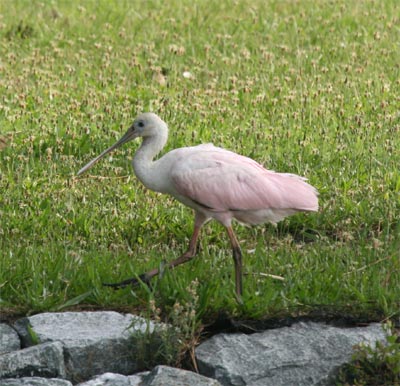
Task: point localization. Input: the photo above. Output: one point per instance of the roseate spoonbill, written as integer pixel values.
(217, 183)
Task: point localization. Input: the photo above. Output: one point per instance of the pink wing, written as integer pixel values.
(222, 180)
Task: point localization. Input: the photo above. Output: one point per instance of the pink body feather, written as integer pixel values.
(224, 185)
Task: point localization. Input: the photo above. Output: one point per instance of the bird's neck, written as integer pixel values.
(143, 161)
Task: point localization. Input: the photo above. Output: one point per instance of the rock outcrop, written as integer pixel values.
(303, 354)
(93, 342)
(104, 348)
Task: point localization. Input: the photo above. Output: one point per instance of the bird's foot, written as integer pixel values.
(239, 299)
(133, 282)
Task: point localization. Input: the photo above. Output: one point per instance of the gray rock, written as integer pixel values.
(44, 360)
(9, 340)
(111, 379)
(166, 376)
(34, 381)
(303, 354)
(94, 342)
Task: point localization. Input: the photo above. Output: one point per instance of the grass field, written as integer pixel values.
(304, 87)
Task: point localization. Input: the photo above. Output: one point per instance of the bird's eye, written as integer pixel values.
(140, 124)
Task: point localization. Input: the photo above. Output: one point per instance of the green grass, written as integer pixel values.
(304, 87)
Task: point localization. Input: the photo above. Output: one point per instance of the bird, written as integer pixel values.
(216, 183)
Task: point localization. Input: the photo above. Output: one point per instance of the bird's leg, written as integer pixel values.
(237, 258)
(200, 219)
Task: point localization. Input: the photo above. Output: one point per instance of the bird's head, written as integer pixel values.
(145, 125)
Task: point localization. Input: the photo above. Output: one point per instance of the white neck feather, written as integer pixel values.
(143, 161)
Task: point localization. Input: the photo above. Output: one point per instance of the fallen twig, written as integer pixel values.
(276, 277)
(368, 265)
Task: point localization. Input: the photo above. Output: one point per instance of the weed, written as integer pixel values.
(169, 343)
(379, 365)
